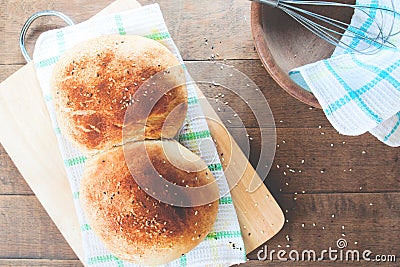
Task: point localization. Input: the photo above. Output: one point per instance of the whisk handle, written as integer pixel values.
(273, 3)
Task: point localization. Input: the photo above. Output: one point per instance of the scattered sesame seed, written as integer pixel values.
(302, 161)
(363, 152)
(302, 225)
(355, 243)
(331, 145)
(314, 224)
(333, 215)
(342, 227)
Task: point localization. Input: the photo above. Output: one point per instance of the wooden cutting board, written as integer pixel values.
(28, 138)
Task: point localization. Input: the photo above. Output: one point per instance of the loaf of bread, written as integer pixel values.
(121, 100)
(94, 84)
(134, 225)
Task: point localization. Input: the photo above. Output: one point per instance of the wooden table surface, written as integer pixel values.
(341, 187)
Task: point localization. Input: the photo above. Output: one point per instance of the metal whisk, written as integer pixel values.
(339, 33)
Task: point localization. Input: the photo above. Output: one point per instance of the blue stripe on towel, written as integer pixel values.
(364, 28)
(354, 95)
(395, 128)
(383, 74)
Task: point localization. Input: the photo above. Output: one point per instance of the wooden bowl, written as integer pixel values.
(283, 44)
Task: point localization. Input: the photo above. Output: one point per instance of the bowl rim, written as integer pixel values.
(282, 79)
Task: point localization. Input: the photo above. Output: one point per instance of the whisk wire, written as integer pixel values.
(334, 30)
(323, 31)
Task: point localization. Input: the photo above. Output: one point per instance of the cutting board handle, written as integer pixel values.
(31, 19)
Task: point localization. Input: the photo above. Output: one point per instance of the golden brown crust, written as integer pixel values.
(133, 225)
(94, 83)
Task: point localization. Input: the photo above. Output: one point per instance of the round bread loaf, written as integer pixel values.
(133, 225)
(94, 83)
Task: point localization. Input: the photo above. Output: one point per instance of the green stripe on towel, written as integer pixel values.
(194, 135)
(224, 234)
(75, 161)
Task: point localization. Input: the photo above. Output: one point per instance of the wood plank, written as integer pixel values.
(40, 262)
(7, 70)
(188, 21)
(16, 13)
(11, 181)
(373, 227)
(280, 102)
(288, 112)
(341, 168)
(28, 232)
(299, 144)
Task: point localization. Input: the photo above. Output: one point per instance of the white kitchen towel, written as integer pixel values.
(224, 245)
(361, 92)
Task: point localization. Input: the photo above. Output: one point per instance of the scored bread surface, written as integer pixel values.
(94, 84)
(133, 225)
